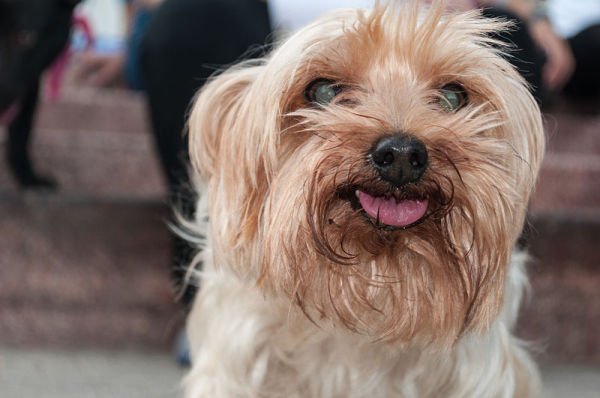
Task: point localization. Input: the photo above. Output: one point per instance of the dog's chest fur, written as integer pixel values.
(247, 345)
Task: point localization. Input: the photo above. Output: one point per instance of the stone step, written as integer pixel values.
(571, 169)
(85, 273)
(80, 108)
(88, 265)
(96, 147)
(561, 318)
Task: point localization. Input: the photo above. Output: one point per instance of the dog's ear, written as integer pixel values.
(525, 123)
(524, 130)
(233, 137)
(214, 114)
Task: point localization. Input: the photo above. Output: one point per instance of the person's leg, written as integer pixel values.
(19, 133)
(524, 55)
(585, 81)
(186, 42)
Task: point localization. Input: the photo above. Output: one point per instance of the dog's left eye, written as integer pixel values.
(322, 91)
(452, 97)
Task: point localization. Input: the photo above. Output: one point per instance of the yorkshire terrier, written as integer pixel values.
(362, 190)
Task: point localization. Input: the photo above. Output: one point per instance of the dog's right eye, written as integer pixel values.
(322, 91)
(452, 97)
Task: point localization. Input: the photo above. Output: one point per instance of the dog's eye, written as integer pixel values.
(322, 91)
(452, 97)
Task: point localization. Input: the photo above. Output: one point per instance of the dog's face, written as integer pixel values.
(374, 171)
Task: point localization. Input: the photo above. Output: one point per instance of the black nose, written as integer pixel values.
(399, 158)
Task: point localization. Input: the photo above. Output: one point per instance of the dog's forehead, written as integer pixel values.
(351, 44)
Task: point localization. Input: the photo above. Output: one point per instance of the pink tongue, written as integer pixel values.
(390, 211)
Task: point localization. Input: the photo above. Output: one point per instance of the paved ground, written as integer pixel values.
(48, 373)
(87, 374)
(571, 382)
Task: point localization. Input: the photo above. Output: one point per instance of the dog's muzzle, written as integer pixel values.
(400, 160)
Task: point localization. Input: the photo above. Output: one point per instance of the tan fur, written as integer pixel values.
(311, 272)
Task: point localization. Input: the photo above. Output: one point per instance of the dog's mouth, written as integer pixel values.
(390, 210)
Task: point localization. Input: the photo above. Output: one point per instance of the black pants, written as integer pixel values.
(585, 82)
(525, 56)
(529, 59)
(186, 42)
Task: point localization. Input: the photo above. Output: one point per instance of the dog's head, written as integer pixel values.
(374, 170)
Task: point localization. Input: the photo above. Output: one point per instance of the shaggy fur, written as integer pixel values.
(303, 294)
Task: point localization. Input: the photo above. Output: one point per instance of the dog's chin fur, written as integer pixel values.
(305, 295)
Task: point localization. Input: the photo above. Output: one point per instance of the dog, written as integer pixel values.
(362, 189)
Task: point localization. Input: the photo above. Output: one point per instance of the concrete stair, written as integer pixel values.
(562, 318)
(97, 143)
(81, 272)
(89, 264)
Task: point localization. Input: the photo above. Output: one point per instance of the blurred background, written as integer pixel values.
(87, 304)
